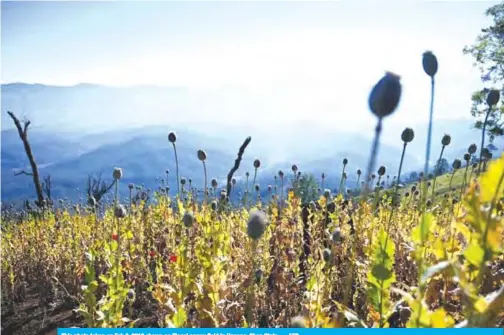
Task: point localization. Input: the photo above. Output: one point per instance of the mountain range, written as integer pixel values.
(72, 137)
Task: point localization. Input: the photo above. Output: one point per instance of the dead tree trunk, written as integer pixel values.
(23, 134)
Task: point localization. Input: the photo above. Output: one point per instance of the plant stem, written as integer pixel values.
(372, 159)
(436, 172)
(177, 169)
(483, 138)
(451, 179)
(428, 148)
(206, 190)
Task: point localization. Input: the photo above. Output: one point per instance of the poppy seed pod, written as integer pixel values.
(280, 174)
(326, 254)
(257, 163)
(336, 236)
(201, 155)
(430, 63)
(294, 168)
(413, 188)
(472, 148)
(92, 201)
(345, 161)
(467, 157)
(233, 181)
(117, 174)
(359, 172)
(428, 203)
(456, 164)
(327, 193)
(120, 211)
(498, 207)
(474, 166)
(270, 188)
(385, 95)
(298, 322)
(247, 174)
(172, 137)
(223, 192)
(182, 181)
(381, 171)
(257, 187)
(167, 171)
(188, 219)
(446, 140)
(493, 97)
(323, 175)
(130, 186)
(258, 275)
(485, 153)
(131, 295)
(256, 224)
(406, 194)
(407, 135)
(214, 205)
(214, 183)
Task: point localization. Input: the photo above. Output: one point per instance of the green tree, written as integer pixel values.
(488, 55)
(442, 167)
(305, 187)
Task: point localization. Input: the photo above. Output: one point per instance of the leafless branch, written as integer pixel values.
(237, 163)
(23, 172)
(23, 135)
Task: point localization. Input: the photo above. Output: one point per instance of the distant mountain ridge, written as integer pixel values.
(144, 153)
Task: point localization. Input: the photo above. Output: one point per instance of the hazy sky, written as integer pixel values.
(295, 61)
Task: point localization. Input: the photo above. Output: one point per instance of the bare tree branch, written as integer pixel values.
(237, 164)
(23, 172)
(98, 188)
(25, 129)
(23, 135)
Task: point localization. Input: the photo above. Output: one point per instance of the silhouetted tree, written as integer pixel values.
(23, 134)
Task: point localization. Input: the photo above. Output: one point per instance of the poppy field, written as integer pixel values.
(427, 254)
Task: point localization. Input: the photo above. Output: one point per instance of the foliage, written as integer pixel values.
(488, 55)
(212, 274)
(305, 187)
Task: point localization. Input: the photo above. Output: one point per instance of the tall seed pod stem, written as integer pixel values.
(383, 101)
(430, 66)
(117, 174)
(172, 137)
(374, 153)
(456, 166)
(202, 157)
(245, 196)
(492, 99)
(407, 136)
(345, 162)
(445, 141)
